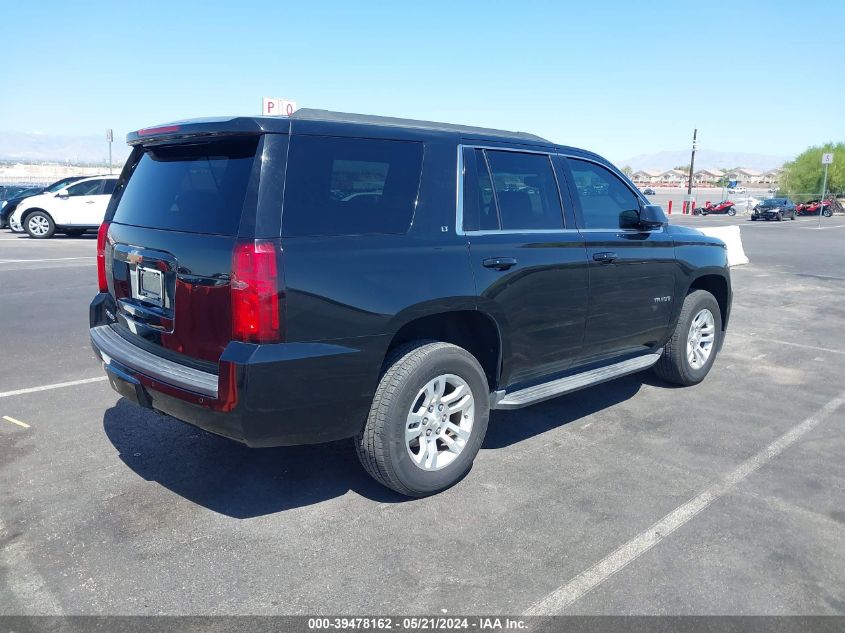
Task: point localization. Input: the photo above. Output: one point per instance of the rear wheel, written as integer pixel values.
(39, 225)
(827, 213)
(427, 421)
(731, 211)
(690, 353)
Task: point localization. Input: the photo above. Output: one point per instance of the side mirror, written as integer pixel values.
(62, 193)
(652, 217)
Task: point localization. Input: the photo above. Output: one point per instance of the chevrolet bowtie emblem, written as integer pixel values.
(134, 258)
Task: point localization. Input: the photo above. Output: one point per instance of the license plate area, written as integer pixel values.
(150, 287)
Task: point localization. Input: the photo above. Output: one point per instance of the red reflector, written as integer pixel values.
(255, 291)
(102, 236)
(165, 129)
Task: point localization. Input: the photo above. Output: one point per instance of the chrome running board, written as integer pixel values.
(555, 388)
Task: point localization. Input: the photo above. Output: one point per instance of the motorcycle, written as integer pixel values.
(725, 207)
(814, 206)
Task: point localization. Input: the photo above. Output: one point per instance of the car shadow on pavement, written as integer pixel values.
(242, 482)
(511, 427)
(230, 478)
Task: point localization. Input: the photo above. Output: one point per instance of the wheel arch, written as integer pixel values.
(28, 212)
(718, 286)
(471, 329)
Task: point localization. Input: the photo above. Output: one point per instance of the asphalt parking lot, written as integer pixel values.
(628, 498)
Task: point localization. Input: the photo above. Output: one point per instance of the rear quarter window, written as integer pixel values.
(191, 187)
(350, 186)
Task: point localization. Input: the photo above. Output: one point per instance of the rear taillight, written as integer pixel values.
(102, 237)
(256, 291)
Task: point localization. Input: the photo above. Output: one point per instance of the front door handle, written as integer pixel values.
(605, 258)
(500, 263)
(90, 202)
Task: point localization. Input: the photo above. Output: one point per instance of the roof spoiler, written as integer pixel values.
(207, 128)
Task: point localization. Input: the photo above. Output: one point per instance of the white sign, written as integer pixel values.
(277, 107)
(827, 159)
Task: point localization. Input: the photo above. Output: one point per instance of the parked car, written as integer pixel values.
(72, 210)
(736, 190)
(774, 209)
(725, 207)
(12, 204)
(370, 317)
(648, 191)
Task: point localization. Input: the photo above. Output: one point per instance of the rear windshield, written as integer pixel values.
(196, 187)
(350, 186)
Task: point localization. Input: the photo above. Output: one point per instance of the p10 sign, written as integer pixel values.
(277, 107)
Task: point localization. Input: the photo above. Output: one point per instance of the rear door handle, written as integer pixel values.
(500, 263)
(605, 258)
(90, 202)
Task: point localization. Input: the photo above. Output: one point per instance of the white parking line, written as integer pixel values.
(790, 343)
(556, 601)
(58, 385)
(53, 259)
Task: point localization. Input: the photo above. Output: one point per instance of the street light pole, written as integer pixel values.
(692, 167)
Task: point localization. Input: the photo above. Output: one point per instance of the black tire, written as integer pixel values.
(381, 445)
(753, 219)
(48, 222)
(827, 213)
(793, 216)
(732, 212)
(779, 217)
(673, 365)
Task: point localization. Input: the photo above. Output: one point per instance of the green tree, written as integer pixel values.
(627, 170)
(683, 168)
(806, 172)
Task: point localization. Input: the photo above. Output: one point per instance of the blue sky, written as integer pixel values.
(621, 78)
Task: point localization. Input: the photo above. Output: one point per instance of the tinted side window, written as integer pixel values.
(347, 186)
(108, 188)
(606, 203)
(192, 187)
(526, 191)
(87, 188)
(479, 210)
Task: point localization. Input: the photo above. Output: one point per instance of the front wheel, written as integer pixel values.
(427, 421)
(39, 225)
(779, 217)
(827, 213)
(688, 356)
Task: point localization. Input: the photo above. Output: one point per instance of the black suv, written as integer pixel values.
(295, 280)
(774, 209)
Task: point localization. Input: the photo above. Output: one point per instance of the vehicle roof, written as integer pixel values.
(312, 119)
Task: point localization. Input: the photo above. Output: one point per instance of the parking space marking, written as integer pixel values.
(9, 418)
(790, 343)
(53, 259)
(559, 599)
(822, 228)
(58, 385)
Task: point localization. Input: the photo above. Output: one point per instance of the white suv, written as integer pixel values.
(73, 210)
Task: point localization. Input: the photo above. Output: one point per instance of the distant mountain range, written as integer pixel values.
(704, 158)
(30, 146)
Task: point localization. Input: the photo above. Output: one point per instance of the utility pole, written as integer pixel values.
(691, 166)
(110, 138)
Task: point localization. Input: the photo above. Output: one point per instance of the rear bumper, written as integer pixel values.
(263, 395)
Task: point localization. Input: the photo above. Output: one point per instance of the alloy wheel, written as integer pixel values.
(439, 424)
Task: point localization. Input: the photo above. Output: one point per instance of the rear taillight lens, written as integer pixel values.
(256, 290)
(102, 238)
